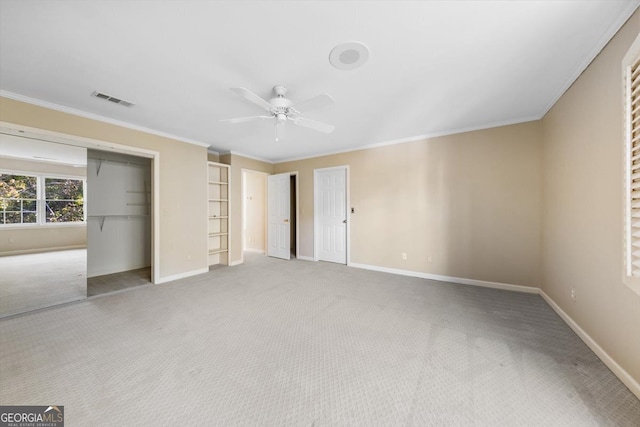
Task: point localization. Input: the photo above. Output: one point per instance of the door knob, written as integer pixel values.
(286, 220)
(344, 222)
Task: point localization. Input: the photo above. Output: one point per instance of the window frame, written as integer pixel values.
(632, 56)
(41, 219)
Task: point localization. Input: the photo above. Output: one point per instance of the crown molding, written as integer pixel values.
(248, 156)
(416, 138)
(97, 117)
(588, 59)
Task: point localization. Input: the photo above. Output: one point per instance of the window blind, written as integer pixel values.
(633, 176)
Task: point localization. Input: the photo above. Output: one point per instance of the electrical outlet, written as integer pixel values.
(429, 258)
(573, 294)
(404, 256)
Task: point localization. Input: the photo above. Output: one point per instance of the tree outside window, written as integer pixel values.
(64, 200)
(18, 199)
(22, 197)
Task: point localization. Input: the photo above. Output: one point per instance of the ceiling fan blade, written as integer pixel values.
(319, 126)
(318, 101)
(252, 97)
(246, 119)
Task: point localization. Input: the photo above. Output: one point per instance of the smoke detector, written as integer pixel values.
(349, 56)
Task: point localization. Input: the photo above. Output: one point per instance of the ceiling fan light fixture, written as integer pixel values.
(349, 56)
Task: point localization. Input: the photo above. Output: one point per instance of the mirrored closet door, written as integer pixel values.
(43, 224)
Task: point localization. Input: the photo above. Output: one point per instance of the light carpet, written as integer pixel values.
(296, 343)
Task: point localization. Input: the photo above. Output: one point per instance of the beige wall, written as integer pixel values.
(471, 201)
(15, 241)
(238, 163)
(255, 198)
(42, 238)
(583, 199)
(183, 180)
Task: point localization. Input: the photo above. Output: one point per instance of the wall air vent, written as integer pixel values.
(112, 99)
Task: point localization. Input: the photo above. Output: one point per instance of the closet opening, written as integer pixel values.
(119, 212)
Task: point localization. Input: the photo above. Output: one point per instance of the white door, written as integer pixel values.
(331, 214)
(279, 230)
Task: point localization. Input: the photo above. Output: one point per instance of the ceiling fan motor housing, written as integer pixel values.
(281, 107)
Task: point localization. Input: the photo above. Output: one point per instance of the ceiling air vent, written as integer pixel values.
(112, 99)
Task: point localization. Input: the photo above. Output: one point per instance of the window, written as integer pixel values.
(64, 200)
(38, 200)
(631, 76)
(18, 197)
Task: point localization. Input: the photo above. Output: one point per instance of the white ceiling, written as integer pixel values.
(435, 67)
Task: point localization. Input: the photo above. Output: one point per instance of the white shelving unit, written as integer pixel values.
(218, 211)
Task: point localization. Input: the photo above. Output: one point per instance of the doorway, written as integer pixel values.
(331, 237)
(119, 221)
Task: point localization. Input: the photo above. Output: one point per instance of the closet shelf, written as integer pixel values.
(218, 234)
(116, 216)
(218, 182)
(102, 218)
(218, 217)
(217, 251)
(218, 200)
(101, 161)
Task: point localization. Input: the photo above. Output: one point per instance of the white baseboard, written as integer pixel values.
(618, 370)
(238, 262)
(256, 251)
(305, 258)
(460, 280)
(166, 279)
(42, 250)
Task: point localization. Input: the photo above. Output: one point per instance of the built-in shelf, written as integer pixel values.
(218, 227)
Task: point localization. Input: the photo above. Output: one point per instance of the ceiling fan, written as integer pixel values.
(282, 109)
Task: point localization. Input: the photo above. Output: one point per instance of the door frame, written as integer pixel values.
(295, 174)
(90, 143)
(316, 214)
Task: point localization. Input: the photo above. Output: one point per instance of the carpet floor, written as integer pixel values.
(279, 343)
(33, 281)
